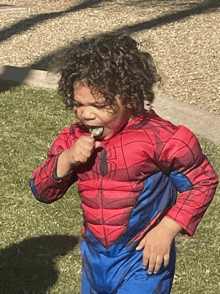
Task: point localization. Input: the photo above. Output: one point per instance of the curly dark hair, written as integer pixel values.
(112, 65)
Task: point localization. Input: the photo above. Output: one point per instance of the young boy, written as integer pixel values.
(129, 164)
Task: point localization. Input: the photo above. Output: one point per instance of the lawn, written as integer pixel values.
(39, 245)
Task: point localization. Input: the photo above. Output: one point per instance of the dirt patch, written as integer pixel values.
(182, 36)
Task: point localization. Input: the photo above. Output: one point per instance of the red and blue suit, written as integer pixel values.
(149, 169)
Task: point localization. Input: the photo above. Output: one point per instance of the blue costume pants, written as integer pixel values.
(122, 273)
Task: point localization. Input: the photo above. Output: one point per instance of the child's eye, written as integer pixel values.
(100, 105)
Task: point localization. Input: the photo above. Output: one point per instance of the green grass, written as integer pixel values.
(39, 244)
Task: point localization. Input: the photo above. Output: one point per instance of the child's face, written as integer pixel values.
(94, 112)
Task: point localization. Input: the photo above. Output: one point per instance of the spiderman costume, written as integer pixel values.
(126, 187)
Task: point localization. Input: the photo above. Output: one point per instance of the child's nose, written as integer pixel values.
(88, 113)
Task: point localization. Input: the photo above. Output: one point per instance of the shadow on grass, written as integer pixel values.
(30, 267)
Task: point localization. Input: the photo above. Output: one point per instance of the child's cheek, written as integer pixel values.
(77, 112)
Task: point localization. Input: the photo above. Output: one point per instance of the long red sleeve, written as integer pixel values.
(192, 175)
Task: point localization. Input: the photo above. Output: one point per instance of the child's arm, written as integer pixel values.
(189, 170)
(51, 180)
(192, 175)
(44, 182)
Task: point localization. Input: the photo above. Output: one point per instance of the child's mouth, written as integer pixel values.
(96, 131)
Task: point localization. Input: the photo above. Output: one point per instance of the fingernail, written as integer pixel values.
(150, 273)
(138, 248)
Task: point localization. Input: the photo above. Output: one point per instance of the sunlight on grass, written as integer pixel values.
(40, 243)
(31, 119)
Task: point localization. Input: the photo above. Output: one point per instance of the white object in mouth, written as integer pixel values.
(96, 131)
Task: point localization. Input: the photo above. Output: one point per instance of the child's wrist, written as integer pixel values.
(170, 227)
(63, 164)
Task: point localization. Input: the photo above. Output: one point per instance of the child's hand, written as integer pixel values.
(77, 154)
(157, 244)
(81, 150)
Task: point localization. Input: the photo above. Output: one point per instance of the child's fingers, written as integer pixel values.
(82, 149)
(86, 139)
(153, 263)
(85, 142)
(88, 142)
(166, 260)
(79, 158)
(97, 144)
(91, 145)
(146, 259)
(161, 260)
(157, 265)
(141, 244)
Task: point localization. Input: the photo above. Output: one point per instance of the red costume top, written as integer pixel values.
(132, 180)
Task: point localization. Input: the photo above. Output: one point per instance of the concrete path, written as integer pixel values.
(199, 121)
